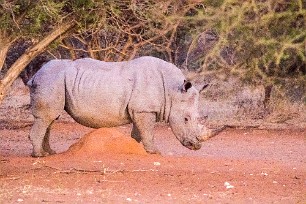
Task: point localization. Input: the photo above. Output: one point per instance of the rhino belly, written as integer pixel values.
(99, 117)
(98, 109)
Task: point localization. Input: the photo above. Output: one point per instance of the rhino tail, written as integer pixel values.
(30, 83)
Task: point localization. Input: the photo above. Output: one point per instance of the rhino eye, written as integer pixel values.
(186, 120)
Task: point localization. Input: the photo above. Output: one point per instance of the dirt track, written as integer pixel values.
(237, 166)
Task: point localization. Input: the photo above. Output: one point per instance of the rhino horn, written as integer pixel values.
(208, 133)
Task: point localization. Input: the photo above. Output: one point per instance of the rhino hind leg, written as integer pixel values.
(136, 134)
(143, 125)
(46, 142)
(44, 116)
(45, 112)
(39, 137)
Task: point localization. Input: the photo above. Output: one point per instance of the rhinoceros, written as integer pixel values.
(99, 94)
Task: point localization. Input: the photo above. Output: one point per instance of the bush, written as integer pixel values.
(261, 41)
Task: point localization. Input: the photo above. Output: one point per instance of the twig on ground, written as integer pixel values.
(102, 171)
(9, 178)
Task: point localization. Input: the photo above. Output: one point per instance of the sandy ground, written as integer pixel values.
(237, 166)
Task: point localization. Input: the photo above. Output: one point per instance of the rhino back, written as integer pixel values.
(97, 93)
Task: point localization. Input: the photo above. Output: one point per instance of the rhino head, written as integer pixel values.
(184, 116)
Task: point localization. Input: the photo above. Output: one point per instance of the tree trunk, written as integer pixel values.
(4, 47)
(3, 53)
(28, 56)
(268, 90)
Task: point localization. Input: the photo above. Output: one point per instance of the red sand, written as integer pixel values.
(105, 166)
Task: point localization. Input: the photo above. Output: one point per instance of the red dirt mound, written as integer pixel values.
(106, 140)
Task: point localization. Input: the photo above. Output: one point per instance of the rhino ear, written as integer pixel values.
(186, 85)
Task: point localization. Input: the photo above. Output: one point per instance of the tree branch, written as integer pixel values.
(29, 55)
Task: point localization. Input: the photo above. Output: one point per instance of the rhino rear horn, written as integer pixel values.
(186, 85)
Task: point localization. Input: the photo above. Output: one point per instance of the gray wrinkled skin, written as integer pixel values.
(107, 94)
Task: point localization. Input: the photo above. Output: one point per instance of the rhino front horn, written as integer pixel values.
(208, 133)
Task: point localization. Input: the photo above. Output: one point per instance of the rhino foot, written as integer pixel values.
(51, 151)
(152, 150)
(42, 153)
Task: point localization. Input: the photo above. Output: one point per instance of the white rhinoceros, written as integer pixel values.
(106, 94)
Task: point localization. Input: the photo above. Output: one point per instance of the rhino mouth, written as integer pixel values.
(192, 145)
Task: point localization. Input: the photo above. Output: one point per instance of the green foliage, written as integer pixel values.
(29, 18)
(259, 40)
(267, 38)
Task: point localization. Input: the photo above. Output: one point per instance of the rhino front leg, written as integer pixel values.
(143, 125)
